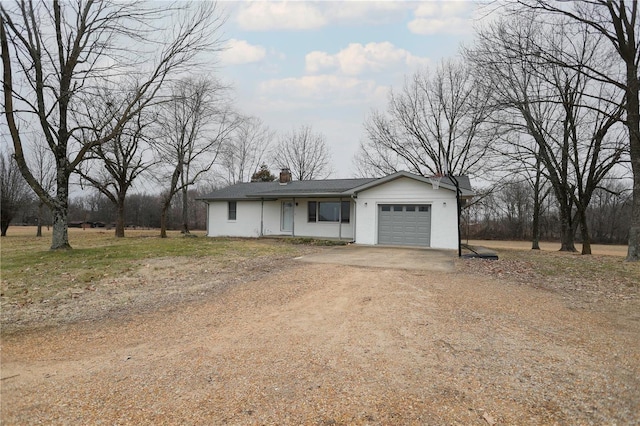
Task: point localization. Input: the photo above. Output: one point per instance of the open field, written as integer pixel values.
(218, 331)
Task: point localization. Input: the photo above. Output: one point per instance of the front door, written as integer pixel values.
(287, 216)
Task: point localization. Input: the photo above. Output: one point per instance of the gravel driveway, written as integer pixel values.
(333, 344)
(386, 257)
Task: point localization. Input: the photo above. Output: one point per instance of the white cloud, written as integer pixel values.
(262, 16)
(357, 59)
(325, 87)
(317, 61)
(443, 17)
(240, 52)
(369, 12)
(443, 9)
(302, 15)
(450, 25)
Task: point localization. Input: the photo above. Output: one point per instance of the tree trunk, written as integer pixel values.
(60, 211)
(163, 218)
(60, 240)
(120, 218)
(633, 124)
(4, 225)
(185, 212)
(39, 230)
(535, 226)
(584, 232)
(567, 242)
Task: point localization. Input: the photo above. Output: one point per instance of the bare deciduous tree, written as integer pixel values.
(434, 126)
(55, 54)
(245, 150)
(42, 164)
(570, 117)
(305, 153)
(14, 191)
(618, 21)
(119, 162)
(195, 124)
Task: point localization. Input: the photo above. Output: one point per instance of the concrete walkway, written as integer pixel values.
(386, 257)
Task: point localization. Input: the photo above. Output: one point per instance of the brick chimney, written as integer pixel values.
(285, 176)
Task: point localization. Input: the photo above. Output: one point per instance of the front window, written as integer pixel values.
(232, 210)
(312, 213)
(346, 210)
(329, 211)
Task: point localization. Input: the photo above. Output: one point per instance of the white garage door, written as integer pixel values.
(404, 224)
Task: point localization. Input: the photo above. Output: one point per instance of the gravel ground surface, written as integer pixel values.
(284, 342)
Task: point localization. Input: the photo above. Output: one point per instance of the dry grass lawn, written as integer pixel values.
(598, 249)
(208, 331)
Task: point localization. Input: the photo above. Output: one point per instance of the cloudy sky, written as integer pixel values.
(328, 64)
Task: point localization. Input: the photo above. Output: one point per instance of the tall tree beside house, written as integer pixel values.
(55, 54)
(570, 118)
(14, 192)
(618, 22)
(434, 126)
(194, 126)
(245, 150)
(305, 153)
(119, 162)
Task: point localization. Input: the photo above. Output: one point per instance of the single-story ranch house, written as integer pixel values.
(398, 209)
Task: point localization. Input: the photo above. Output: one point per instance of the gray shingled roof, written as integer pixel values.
(319, 188)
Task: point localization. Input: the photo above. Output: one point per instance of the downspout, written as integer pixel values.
(261, 217)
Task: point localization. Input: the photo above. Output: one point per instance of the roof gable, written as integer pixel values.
(447, 182)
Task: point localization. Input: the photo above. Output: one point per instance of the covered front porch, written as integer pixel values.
(325, 218)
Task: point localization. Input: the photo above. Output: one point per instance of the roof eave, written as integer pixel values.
(303, 195)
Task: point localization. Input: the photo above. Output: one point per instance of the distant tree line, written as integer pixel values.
(508, 215)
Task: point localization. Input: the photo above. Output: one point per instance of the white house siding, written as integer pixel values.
(247, 223)
(444, 233)
(304, 228)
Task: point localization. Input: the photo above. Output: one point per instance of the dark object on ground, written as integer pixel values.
(479, 252)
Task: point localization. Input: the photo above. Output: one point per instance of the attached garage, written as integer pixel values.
(404, 224)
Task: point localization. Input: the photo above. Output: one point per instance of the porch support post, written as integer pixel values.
(293, 219)
(262, 217)
(208, 219)
(340, 219)
(355, 217)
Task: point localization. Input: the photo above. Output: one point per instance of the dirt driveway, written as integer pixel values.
(326, 344)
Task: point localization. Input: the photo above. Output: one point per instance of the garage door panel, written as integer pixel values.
(404, 224)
